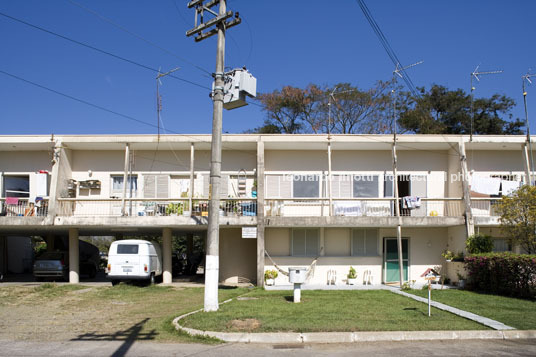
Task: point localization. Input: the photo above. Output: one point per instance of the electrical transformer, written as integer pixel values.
(239, 83)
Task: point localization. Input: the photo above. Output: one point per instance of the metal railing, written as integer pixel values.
(485, 207)
(112, 207)
(23, 207)
(367, 207)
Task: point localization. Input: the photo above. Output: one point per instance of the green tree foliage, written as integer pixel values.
(443, 111)
(518, 218)
(479, 243)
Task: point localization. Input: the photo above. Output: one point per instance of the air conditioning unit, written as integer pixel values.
(239, 84)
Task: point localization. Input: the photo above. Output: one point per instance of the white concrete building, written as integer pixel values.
(317, 196)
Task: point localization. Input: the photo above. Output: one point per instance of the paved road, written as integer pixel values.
(398, 349)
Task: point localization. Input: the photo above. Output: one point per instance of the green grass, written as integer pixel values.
(377, 310)
(517, 313)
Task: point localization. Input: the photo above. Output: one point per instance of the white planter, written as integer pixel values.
(270, 282)
(352, 281)
(186, 213)
(461, 284)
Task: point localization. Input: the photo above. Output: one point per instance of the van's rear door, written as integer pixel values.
(127, 260)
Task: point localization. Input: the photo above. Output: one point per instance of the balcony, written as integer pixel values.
(485, 211)
(23, 207)
(363, 211)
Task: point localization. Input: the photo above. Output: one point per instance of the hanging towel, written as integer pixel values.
(485, 185)
(411, 202)
(12, 200)
(508, 187)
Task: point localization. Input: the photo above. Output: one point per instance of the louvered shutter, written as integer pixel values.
(162, 190)
(206, 184)
(272, 186)
(224, 186)
(149, 187)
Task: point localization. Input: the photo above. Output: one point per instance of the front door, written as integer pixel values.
(390, 253)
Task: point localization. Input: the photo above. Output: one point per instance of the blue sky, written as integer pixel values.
(281, 43)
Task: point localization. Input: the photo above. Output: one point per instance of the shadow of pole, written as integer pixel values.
(129, 336)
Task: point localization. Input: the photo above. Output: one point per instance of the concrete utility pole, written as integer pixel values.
(220, 23)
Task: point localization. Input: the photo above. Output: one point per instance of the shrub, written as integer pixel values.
(352, 274)
(479, 243)
(270, 274)
(502, 273)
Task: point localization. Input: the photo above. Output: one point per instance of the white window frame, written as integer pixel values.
(119, 192)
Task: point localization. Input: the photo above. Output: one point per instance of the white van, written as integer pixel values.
(134, 259)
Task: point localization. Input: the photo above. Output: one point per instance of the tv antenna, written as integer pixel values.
(398, 71)
(332, 96)
(159, 97)
(526, 78)
(475, 74)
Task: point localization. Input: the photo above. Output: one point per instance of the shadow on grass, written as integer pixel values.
(414, 309)
(129, 336)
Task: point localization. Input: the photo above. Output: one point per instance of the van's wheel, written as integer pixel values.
(152, 280)
(115, 282)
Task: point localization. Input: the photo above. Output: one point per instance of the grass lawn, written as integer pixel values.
(77, 312)
(517, 313)
(375, 310)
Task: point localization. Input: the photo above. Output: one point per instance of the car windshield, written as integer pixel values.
(127, 249)
(51, 256)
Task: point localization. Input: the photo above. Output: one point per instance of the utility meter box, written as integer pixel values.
(239, 84)
(297, 275)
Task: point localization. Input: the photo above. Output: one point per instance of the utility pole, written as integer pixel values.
(530, 177)
(220, 25)
(399, 71)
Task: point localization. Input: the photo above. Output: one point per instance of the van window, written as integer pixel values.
(127, 249)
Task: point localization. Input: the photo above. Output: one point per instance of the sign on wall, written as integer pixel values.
(249, 232)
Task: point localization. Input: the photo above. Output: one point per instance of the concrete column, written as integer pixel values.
(50, 243)
(166, 252)
(469, 223)
(322, 241)
(191, 193)
(526, 164)
(74, 258)
(260, 212)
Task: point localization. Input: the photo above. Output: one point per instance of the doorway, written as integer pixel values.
(390, 254)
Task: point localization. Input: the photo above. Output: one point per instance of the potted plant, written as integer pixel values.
(461, 280)
(352, 276)
(174, 209)
(269, 277)
(448, 255)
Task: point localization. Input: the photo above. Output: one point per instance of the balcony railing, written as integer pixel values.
(22, 207)
(113, 207)
(485, 207)
(367, 207)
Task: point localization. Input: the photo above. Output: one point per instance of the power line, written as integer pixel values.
(124, 29)
(386, 45)
(98, 49)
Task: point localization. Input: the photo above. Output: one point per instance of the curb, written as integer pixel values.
(351, 337)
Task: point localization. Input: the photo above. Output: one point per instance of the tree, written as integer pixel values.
(518, 218)
(443, 111)
(294, 110)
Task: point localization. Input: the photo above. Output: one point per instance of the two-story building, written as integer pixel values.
(307, 196)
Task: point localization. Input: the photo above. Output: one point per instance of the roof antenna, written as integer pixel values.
(475, 75)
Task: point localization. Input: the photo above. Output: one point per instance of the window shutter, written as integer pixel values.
(312, 241)
(162, 190)
(206, 184)
(335, 186)
(272, 186)
(346, 186)
(149, 187)
(224, 186)
(358, 242)
(371, 242)
(298, 242)
(285, 187)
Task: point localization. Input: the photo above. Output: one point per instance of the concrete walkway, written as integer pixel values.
(496, 325)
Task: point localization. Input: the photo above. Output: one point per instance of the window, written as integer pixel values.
(305, 242)
(305, 186)
(501, 245)
(117, 185)
(366, 186)
(365, 242)
(278, 186)
(127, 249)
(16, 186)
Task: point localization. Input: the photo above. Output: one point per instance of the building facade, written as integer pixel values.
(301, 198)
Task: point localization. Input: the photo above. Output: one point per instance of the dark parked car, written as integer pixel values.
(51, 265)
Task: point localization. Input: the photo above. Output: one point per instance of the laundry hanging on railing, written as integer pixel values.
(509, 187)
(485, 185)
(411, 202)
(12, 200)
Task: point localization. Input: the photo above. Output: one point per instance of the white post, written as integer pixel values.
(429, 297)
(166, 252)
(192, 157)
(74, 261)
(329, 180)
(297, 292)
(125, 181)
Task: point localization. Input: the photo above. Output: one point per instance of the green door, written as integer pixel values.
(390, 253)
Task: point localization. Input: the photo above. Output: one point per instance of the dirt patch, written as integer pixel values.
(244, 325)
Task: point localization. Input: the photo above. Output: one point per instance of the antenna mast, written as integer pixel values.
(475, 75)
(159, 98)
(524, 78)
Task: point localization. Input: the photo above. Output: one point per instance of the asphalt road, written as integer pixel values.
(398, 349)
